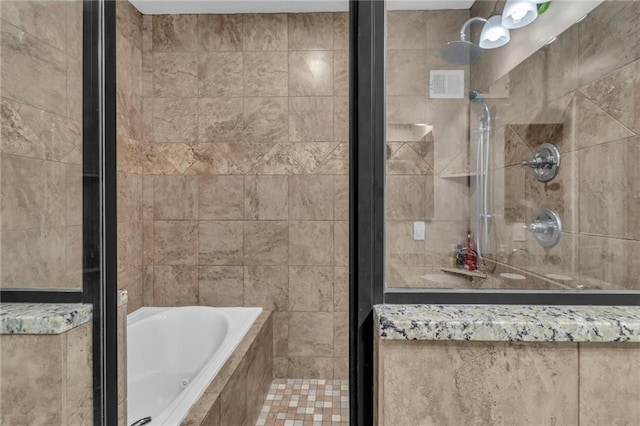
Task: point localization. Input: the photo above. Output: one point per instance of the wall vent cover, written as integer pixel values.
(446, 84)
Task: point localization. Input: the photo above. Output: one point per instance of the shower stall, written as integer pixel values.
(490, 127)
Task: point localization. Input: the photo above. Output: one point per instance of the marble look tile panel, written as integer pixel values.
(264, 32)
(310, 197)
(407, 29)
(311, 288)
(220, 120)
(220, 197)
(311, 119)
(176, 74)
(266, 197)
(607, 202)
(220, 74)
(415, 390)
(522, 323)
(310, 334)
(220, 33)
(310, 31)
(174, 33)
(267, 286)
(609, 384)
(221, 286)
(311, 73)
(42, 318)
(266, 242)
(220, 243)
(33, 72)
(606, 39)
(265, 74)
(175, 285)
(265, 119)
(311, 243)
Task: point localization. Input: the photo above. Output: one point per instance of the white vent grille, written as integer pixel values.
(446, 84)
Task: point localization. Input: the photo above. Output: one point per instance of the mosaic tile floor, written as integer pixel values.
(308, 402)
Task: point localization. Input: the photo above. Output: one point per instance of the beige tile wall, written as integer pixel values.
(427, 147)
(451, 383)
(47, 379)
(130, 145)
(244, 163)
(581, 93)
(41, 144)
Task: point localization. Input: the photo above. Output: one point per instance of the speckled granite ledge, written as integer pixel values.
(508, 323)
(42, 318)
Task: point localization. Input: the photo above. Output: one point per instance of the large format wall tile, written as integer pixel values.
(311, 31)
(265, 73)
(606, 39)
(237, 112)
(264, 32)
(33, 72)
(482, 383)
(609, 384)
(220, 33)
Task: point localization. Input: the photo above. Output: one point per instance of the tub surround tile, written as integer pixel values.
(311, 334)
(220, 33)
(42, 318)
(311, 73)
(265, 119)
(221, 286)
(175, 74)
(266, 197)
(508, 323)
(264, 32)
(220, 74)
(265, 74)
(310, 31)
(174, 33)
(267, 286)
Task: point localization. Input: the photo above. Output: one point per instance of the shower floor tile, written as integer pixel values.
(306, 402)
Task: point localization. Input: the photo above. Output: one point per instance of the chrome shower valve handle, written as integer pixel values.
(545, 162)
(546, 227)
(539, 162)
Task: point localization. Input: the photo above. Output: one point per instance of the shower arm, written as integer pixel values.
(467, 24)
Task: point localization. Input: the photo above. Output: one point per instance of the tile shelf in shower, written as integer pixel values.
(459, 175)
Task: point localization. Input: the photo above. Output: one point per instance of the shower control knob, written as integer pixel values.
(546, 227)
(540, 162)
(545, 162)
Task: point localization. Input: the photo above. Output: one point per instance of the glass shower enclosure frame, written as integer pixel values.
(99, 233)
(367, 220)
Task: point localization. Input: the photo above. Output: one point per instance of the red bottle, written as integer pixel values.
(470, 257)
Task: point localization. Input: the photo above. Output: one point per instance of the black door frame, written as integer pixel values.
(99, 232)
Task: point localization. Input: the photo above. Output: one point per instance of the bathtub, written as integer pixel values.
(174, 353)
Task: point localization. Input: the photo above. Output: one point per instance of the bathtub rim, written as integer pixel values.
(174, 413)
(205, 406)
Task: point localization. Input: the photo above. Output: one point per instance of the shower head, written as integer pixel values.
(476, 97)
(461, 52)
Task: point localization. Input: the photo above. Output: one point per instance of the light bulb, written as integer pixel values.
(493, 34)
(519, 12)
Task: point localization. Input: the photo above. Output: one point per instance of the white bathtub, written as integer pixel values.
(174, 353)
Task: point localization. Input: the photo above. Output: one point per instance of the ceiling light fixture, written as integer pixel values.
(494, 34)
(519, 13)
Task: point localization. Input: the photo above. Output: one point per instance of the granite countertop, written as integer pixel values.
(42, 318)
(523, 323)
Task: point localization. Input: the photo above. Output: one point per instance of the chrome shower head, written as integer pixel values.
(461, 52)
(476, 97)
